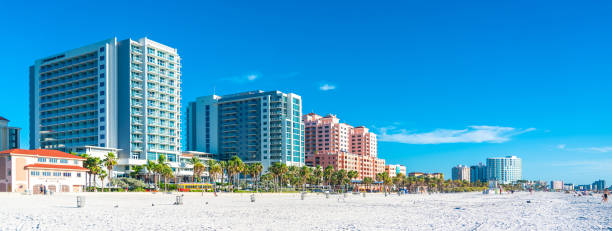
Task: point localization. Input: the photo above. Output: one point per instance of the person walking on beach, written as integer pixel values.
(605, 196)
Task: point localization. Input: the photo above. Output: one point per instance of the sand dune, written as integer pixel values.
(465, 211)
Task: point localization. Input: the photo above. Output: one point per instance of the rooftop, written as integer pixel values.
(41, 152)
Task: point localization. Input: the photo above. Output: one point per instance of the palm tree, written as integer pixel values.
(209, 165)
(214, 170)
(135, 170)
(109, 162)
(256, 169)
(198, 168)
(327, 174)
(367, 181)
(93, 164)
(102, 174)
(167, 173)
(305, 172)
(150, 165)
(283, 170)
(318, 174)
(224, 167)
(235, 167)
(352, 175)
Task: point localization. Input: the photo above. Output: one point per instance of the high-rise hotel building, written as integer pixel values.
(116, 94)
(256, 126)
(329, 142)
(504, 170)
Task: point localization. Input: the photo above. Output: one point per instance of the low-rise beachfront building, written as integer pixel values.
(395, 169)
(331, 143)
(40, 169)
(416, 174)
(185, 170)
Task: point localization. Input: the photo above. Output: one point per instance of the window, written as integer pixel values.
(52, 160)
(56, 173)
(64, 161)
(101, 110)
(101, 49)
(101, 92)
(102, 136)
(101, 66)
(67, 174)
(42, 160)
(102, 58)
(101, 84)
(78, 174)
(46, 173)
(101, 75)
(101, 128)
(76, 162)
(101, 101)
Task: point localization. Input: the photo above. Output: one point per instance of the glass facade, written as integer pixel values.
(504, 170)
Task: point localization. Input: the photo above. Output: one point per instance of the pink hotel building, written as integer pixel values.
(329, 142)
(33, 170)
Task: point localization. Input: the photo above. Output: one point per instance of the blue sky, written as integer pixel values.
(441, 82)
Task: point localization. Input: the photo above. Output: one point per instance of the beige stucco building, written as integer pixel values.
(36, 170)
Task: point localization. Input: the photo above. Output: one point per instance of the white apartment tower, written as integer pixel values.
(115, 94)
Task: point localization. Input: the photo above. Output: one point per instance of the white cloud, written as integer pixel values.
(600, 149)
(561, 146)
(242, 78)
(604, 149)
(251, 77)
(327, 87)
(471, 134)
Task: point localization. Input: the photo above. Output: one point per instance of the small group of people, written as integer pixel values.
(43, 189)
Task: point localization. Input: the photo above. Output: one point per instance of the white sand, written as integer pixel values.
(465, 211)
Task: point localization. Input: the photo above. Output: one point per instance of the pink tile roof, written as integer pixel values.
(42, 152)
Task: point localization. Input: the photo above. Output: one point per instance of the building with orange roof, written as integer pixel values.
(38, 170)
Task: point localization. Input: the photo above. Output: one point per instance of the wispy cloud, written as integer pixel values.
(327, 87)
(247, 78)
(604, 149)
(561, 146)
(471, 134)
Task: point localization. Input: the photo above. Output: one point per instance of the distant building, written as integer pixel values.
(585, 187)
(9, 136)
(435, 175)
(478, 173)
(185, 170)
(556, 185)
(504, 170)
(599, 185)
(329, 142)
(395, 169)
(257, 126)
(40, 169)
(416, 174)
(461, 172)
(568, 186)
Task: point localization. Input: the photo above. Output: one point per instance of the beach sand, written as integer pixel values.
(462, 211)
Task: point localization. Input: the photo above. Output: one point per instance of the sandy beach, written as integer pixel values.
(464, 211)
